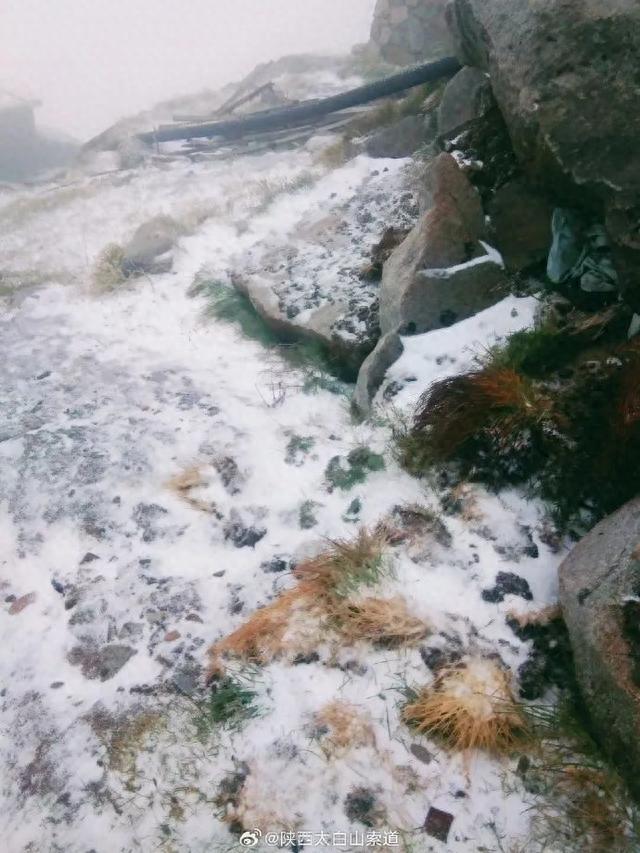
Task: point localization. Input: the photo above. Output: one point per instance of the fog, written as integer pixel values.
(93, 61)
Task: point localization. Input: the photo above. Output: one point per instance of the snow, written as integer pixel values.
(105, 398)
(445, 352)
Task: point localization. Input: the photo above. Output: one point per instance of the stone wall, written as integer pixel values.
(409, 31)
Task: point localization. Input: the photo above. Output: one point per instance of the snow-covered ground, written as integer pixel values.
(114, 585)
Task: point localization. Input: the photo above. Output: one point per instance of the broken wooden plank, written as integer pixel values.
(229, 106)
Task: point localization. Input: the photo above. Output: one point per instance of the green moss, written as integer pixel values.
(298, 447)
(537, 352)
(344, 473)
(320, 370)
(229, 305)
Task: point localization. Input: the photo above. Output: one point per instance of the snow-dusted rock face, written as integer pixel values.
(408, 31)
(590, 155)
(599, 587)
(308, 280)
(442, 272)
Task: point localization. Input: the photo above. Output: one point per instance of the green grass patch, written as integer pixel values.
(229, 704)
(229, 305)
(320, 371)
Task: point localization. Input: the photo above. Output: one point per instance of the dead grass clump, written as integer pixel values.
(108, 272)
(340, 727)
(262, 637)
(346, 565)
(300, 618)
(537, 618)
(580, 803)
(335, 155)
(455, 409)
(187, 481)
(470, 706)
(381, 621)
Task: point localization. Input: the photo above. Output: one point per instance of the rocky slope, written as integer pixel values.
(168, 469)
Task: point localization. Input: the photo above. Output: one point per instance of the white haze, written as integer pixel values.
(92, 61)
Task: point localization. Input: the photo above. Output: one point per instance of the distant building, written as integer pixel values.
(24, 151)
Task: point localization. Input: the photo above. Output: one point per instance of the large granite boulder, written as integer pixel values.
(520, 224)
(600, 596)
(388, 350)
(408, 31)
(466, 98)
(317, 279)
(565, 75)
(441, 272)
(400, 139)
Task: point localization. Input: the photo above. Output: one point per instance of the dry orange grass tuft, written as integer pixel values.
(346, 565)
(318, 604)
(382, 621)
(342, 727)
(262, 637)
(185, 482)
(455, 409)
(470, 706)
(536, 617)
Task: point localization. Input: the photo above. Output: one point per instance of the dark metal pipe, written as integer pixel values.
(300, 113)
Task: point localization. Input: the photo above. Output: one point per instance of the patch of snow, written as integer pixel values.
(445, 352)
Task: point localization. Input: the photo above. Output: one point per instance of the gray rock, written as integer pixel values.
(155, 238)
(565, 76)
(100, 663)
(319, 326)
(466, 98)
(441, 273)
(407, 31)
(400, 139)
(388, 350)
(599, 589)
(520, 224)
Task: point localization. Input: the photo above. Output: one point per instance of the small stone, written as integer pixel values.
(88, 558)
(100, 663)
(421, 753)
(172, 636)
(71, 600)
(276, 564)
(20, 603)
(59, 588)
(438, 824)
(507, 583)
(55, 685)
(192, 617)
(311, 657)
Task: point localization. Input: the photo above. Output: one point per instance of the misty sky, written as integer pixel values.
(93, 61)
